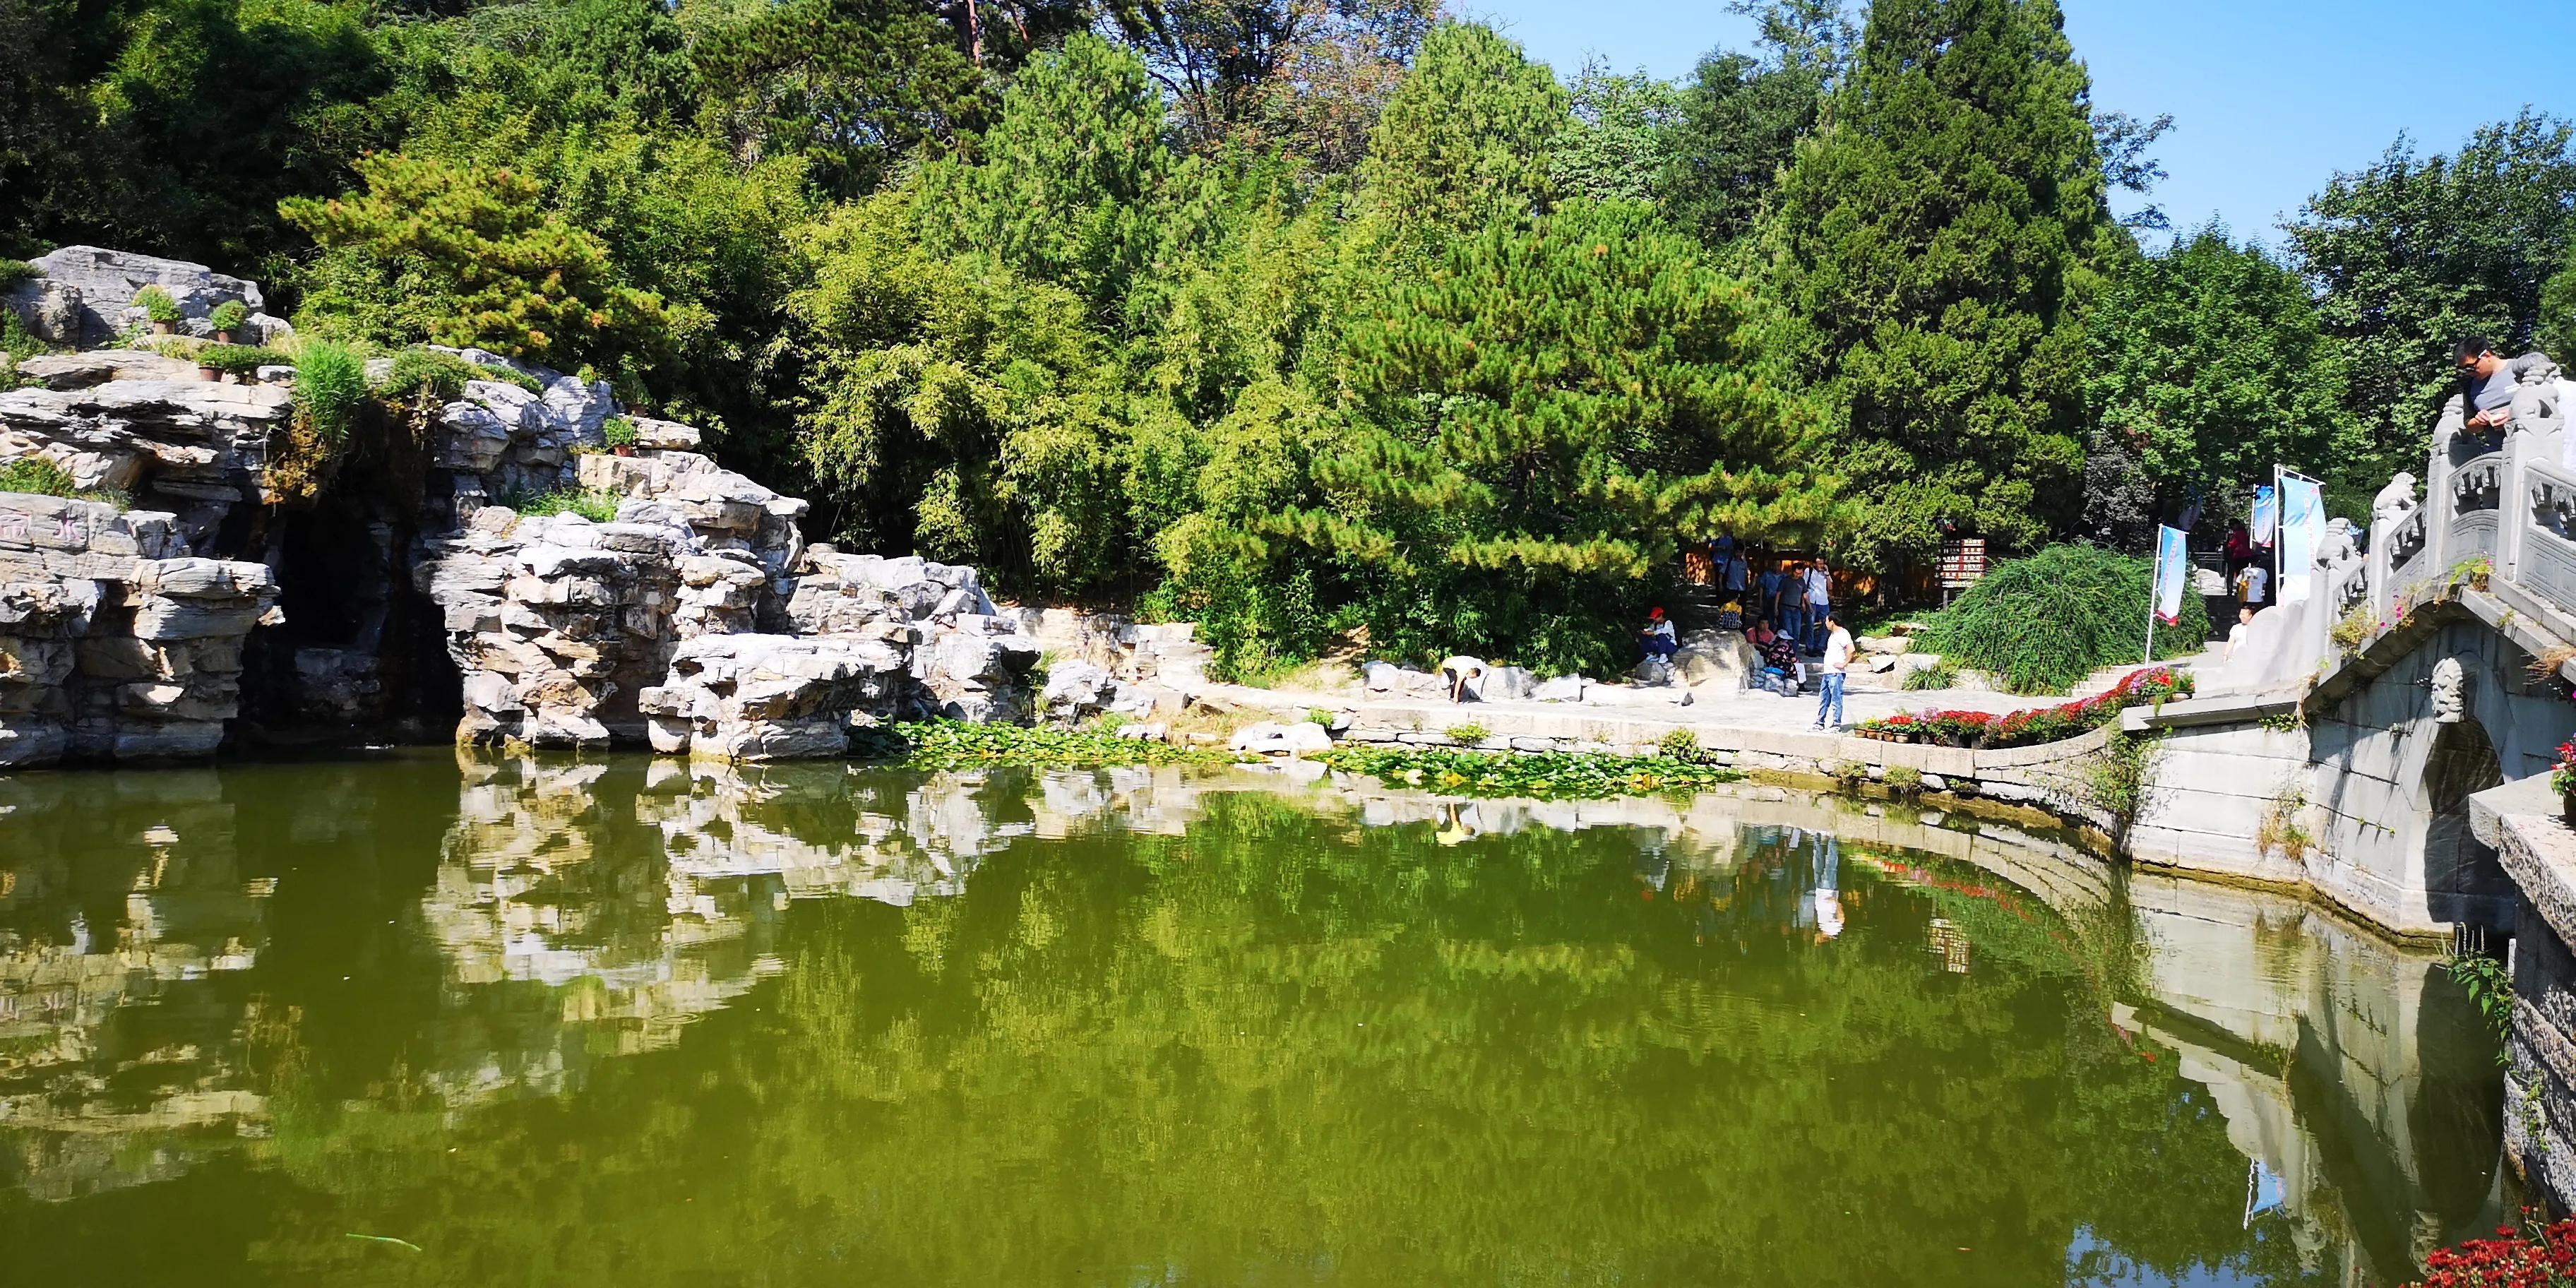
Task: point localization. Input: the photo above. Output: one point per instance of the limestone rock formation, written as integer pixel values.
(190, 448)
(102, 284)
(696, 618)
(115, 643)
(771, 697)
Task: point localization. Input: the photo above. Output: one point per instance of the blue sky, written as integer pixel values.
(2269, 97)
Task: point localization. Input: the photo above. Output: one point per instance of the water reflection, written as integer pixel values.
(1146, 1023)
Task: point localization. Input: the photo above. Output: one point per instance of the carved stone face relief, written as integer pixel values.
(2450, 691)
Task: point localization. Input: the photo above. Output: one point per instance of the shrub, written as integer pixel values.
(2144, 687)
(37, 475)
(428, 374)
(157, 304)
(14, 271)
(229, 316)
(238, 359)
(599, 505)
(617, 431)
(1318, 715)
(1466, 735)
(330, 386)
(1904, 780)
(1942, 675)
(2044, 623)
(1680, 744)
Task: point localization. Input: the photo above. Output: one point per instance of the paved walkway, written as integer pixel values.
(1745, 712)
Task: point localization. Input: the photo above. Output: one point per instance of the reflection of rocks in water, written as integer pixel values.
(639, 896)
(846, 831)
(111, 935)
(547, 879)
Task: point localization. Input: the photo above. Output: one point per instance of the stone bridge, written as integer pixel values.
(2385, 744)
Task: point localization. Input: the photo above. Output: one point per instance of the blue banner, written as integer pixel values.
(2303, 529)
(2267, 514)
(2173, 570)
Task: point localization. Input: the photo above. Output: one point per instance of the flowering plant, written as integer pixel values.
(2149, 685)
(2536, 1256)
(2562, 776)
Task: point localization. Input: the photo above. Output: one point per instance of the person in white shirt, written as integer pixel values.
(2251, 583)
(1829, 691)
(2236, 633)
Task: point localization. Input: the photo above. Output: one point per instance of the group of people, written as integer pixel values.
(1790, 618)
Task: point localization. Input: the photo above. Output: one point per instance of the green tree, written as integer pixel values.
(2209, 366)
(2409, 254)
(1741, 115)
(509, 275)
(2557, 332)
(1070, 172)
(1542, 422)
(177, 127)
(853, 86)
(956, 408)
(1466, 139)
(1620, 144)
(1939, 240)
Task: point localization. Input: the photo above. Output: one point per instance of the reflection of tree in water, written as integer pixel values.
(1285, 1041)
(1280, 1039)
(121, 946)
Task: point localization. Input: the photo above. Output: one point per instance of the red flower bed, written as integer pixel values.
(2536, 1256)
(2034, 725)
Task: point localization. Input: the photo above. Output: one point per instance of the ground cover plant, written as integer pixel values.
(2033, 725)
(2043, 624)
(598, 505)
(955, 744)
(1554, 775)
(37, 475)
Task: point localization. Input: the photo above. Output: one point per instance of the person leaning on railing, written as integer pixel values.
(2490, 382)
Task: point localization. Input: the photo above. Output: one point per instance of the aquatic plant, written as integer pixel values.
(954, 744)
(1554, 775)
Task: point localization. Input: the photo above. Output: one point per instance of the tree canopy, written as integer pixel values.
(1279, 314)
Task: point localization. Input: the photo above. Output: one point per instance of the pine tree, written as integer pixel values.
(1466, 139)
(1540, 424)
(1069, 176)
(1938, 241)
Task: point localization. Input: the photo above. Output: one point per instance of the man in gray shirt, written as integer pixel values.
(2487, 381)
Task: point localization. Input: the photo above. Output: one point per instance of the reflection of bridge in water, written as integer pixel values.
(582, 912)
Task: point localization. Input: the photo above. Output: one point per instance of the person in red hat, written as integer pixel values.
(1656, 636)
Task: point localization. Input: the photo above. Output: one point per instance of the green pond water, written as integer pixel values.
(623, 1023)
